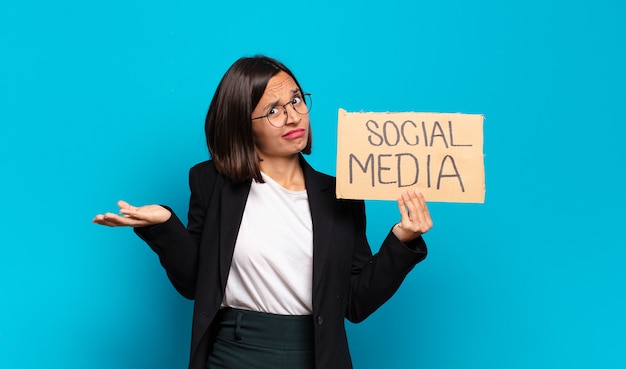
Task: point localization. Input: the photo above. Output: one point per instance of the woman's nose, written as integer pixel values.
(292, 115)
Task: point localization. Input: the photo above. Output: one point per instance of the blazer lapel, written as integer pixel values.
(233, 203)
(321, 201)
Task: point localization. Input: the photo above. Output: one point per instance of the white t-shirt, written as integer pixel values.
(272, 266)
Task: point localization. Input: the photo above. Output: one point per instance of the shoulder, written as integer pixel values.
(203, 174)
(203, 170)
(316, 178)
(324, 178)
(205, 166)
(324, 184)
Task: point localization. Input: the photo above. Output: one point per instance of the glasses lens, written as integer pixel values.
(279, 119)
(304, 107)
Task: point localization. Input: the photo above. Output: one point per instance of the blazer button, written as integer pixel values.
(320, 320)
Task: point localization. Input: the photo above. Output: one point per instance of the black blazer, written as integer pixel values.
(348, 281)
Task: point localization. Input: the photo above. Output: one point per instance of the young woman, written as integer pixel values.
(274, 261)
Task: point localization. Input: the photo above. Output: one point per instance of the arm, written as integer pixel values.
(177, 252)
(176, 246)
(375, 278)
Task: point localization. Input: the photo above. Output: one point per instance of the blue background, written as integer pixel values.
(106, 100)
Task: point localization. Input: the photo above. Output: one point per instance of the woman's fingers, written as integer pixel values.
(115, 220)
(133, 216)
(404, 213)
(422, 211)
(127, 209)
(147, 213)
(415, 217)
(415, 208)
(106, 220)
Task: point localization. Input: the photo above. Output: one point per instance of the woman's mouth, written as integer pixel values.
(294, 133)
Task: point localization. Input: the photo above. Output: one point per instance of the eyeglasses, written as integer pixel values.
(277, 115)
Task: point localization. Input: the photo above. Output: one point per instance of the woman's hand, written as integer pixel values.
(415, 216)
(132, 216)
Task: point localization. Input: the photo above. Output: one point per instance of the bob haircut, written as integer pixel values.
(228, 125)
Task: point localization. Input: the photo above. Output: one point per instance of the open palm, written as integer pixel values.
(132, 216)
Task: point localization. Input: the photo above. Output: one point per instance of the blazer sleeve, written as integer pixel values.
(376, 277)
(177, 246)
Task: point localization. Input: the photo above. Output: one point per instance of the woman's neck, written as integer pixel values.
(285, 171)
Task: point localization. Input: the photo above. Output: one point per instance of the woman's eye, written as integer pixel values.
(273, 111)
(296, 100)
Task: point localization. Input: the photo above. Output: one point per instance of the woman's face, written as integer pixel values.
(289, 139)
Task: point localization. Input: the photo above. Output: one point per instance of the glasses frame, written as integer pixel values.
(304, 96)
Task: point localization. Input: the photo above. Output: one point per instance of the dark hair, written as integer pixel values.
(228, 125)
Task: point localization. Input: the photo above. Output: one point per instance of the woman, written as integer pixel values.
(274, 261)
